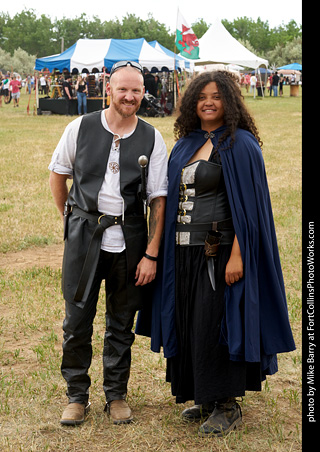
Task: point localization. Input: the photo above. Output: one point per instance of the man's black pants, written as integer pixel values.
(78, 329)
(68, 106)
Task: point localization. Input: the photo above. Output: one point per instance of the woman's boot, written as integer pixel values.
(198, 412)
(225, 417)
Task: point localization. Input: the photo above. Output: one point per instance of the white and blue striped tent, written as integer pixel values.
(91, 55)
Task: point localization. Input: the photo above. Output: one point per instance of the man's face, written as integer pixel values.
(126, 91)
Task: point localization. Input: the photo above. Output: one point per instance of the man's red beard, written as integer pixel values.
(122, 110)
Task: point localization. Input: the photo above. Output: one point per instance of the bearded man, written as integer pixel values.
(106, 235)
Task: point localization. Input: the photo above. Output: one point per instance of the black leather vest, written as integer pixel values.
(93, 148)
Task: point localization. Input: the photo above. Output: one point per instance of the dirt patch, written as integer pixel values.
(49, 256)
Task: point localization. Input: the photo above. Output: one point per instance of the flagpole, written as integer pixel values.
(174, 66)
(186, 44)
(174, 87)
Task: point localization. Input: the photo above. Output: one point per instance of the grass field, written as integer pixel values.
(32, 391)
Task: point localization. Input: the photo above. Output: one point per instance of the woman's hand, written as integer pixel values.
(234, 268)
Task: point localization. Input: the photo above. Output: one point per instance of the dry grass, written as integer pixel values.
(32, 391)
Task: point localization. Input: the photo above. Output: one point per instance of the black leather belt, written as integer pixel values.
(107, 220)
(91, 260)
(197, 227)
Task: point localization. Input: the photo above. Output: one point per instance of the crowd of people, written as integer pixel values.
(274, 82)
(82, 86)
(157, 85)
(11, 85)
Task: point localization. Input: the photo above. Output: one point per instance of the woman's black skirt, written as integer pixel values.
(202, 370)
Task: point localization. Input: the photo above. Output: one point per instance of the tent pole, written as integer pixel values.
(37, 93)
(262, 90)
(104, 89)
(174, 64)
(174, 78)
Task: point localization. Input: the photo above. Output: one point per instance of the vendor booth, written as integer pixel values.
(293, 73)
(94, 56)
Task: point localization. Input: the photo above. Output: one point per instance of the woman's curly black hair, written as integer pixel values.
(236, 114)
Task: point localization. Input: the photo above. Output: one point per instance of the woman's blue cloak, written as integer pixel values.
(256, 324)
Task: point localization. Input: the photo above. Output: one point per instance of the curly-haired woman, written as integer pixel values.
(219, 309)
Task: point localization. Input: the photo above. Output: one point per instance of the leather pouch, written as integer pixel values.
(212, 243)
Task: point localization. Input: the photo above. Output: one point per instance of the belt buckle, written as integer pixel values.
(100, 218)
(104, 215)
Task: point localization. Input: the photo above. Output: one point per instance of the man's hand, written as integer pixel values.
(146, 271)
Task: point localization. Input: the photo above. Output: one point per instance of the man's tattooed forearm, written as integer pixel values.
(154, 218)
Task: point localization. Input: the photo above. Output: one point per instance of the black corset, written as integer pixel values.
(202, 199)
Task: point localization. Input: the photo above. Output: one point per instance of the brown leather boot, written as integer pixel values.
(225, 417)
(74, 414)
(119, 411)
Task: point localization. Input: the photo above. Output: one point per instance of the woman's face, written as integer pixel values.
(210, 107)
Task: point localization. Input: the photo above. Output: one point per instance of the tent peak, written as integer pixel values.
(217, 45)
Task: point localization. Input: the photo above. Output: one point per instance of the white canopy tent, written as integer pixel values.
(218, 46)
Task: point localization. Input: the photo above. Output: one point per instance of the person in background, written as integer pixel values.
(247, 82)
(15, 90)
(158, 85)
(28, 84)
(269, 84)
(275, 83)
(82, 91)
(219, 306)
(150, 83)
(281, 81)
(6, 85)
(106, 235)
(43, 84)
(67, 91)
(1, 88)
(253, 83)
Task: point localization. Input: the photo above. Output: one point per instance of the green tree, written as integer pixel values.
(155, 31)
(5, 61)
(22, 62)
(41, 37)
(3, 20)
(95, 29)
(69, 31)
(284, 33)
(32, 34)
(200, 27)
(281, 55)
(245, 29)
